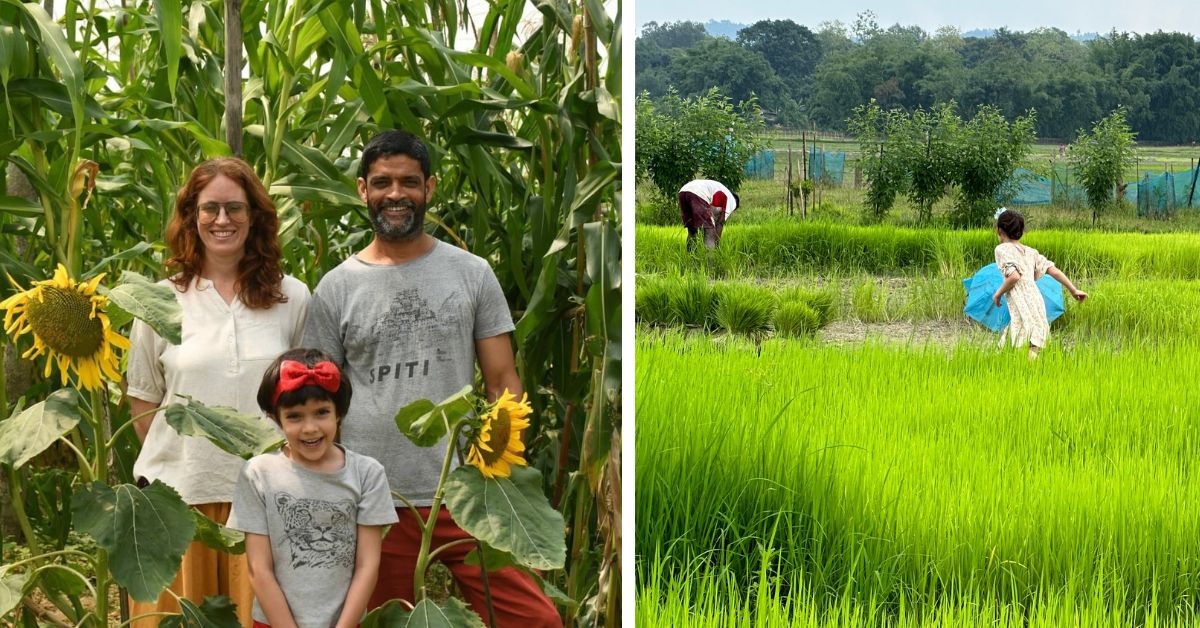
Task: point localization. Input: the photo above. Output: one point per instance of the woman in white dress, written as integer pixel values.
(240, 312)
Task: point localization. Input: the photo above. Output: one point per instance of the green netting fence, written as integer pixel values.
(761, 166)
(826, 166)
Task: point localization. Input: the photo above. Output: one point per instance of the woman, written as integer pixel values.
(239, 313)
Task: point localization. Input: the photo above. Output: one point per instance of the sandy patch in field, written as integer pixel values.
(944, 333)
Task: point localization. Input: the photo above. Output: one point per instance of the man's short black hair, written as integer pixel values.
(737, 200)
(395, 142)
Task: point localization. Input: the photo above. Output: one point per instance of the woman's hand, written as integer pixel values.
(1077, 294)
(996, 298)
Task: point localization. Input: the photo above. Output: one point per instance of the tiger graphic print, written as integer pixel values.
(320, 534)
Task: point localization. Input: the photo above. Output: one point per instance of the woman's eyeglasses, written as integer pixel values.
(237, 211)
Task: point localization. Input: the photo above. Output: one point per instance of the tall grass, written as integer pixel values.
(783, 248)
(918, 484)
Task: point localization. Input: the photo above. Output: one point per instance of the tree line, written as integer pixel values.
(803, 77)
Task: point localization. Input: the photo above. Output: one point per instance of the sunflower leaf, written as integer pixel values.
(493, 558)
(217, 611)
(509, 514)
(152, 302)
(426, 423)
(12, 589)
(36, 428)
(217, 536)
(146, 532)
(239, 434)
(452, 613)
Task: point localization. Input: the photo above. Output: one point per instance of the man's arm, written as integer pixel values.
(499, 370)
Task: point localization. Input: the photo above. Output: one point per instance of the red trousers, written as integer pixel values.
(517, 600)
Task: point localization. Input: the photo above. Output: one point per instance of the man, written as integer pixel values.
(407, 318)
(705, 205)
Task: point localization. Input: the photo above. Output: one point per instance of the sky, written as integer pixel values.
(1072, 16)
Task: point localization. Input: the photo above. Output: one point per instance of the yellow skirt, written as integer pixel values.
(204, 572)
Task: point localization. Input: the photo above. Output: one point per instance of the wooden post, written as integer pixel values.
(803, 175)
(233, 76)
(789, 182)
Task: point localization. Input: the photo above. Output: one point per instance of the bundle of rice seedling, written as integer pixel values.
(745, 309)
(796, 319)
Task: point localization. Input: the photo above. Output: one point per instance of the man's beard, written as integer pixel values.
(409, 227)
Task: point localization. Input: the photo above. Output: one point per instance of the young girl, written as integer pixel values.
(313, 511)
(1021, 267)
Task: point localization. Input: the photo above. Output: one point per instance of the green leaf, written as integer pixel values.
(36, 428)
(12, 589)
(467, 135)
(305, 189)
(392, 614)
(170, 33)
(510, 514)
(426, 423)
(61, 579)
(152, 302)
(59, 51)
(312, 161)
(217, 536)
(239, 434)
(128, 254)
(217, 611)
(452, 613)
(54, 95)
(146, 532)
(553, 592)
(493, 558)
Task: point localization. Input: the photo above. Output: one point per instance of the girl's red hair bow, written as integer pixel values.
(294, 375)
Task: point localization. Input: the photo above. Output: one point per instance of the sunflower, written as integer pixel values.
(68, 322)
(498, 442)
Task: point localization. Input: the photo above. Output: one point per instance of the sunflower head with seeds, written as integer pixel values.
(496, 444)
(68, 324)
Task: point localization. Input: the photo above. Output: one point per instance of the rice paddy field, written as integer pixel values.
(823, 439)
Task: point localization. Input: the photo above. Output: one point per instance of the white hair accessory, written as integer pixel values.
(996, 216)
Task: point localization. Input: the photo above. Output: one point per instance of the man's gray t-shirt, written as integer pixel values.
(403, 332)
(312, 519)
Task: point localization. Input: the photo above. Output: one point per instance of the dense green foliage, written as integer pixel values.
(1071, 84)
(680, 139)
(924, 153)
(1099, 158)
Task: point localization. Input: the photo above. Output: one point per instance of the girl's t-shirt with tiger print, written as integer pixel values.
(312, 519)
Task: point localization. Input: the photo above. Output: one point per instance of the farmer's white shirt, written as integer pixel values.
(226, 349)
(707, 189)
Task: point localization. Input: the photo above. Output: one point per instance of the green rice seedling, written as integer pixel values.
(796, 319)
(869, 301)
(692, 301)
(915, 486)
(786, 247)
(824, 300)
(744, 309)
(652, 301)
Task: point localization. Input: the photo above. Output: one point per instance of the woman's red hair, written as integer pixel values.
(260, 275)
